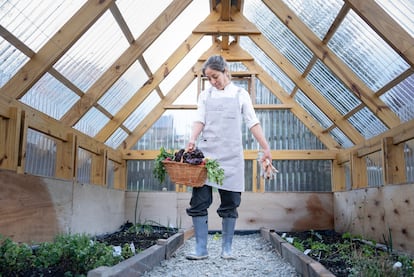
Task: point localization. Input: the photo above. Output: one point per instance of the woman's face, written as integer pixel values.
(216, 78)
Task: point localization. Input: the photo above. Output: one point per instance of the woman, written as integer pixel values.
(220, 112)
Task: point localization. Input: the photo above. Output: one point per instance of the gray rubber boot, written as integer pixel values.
(228, 225)
(201, 232)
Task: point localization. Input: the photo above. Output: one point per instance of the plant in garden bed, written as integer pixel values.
(348, 255)
(75, 255)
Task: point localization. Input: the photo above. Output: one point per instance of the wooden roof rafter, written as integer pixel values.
(120, 66)
(334, 63)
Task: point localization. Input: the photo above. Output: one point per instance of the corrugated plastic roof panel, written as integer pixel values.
(402, 11)
(92, 122)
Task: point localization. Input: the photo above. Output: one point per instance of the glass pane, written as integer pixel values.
(50, 96)
(276, 32)
(11, 61)
(317, 14)
(402, 11)
(35, 22)
(332, 89)
(366, 53)
(93, 53)
(92, 122)
(123, 89)
(401, 99)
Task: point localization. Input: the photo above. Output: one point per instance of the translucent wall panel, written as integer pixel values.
(110, 174)
(280, 36)
(92, 122)
(175, 75)
(11, 61)
(367, 123)
(140, 14)
(332, 89)
(409, 160)
(40, 154)
(178, 31)
(171, 130)
(50, 96)
(142, 111)
(34, 22)
(283, 131)
(312, 109)
(341, 138)
(402, 11)
(366, 53)
(401, 99)
(301, 175)
(84, 166)
(374, 169)
(93, 53)
(123, 89)
(116, 138)
(140, 177)
(264, 95)
(267, 64)
(318, 15)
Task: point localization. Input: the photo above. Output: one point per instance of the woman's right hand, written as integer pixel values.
(190, 146)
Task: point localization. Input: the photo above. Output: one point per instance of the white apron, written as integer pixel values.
(222, 139)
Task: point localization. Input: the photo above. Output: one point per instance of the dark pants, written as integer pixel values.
(202, 197)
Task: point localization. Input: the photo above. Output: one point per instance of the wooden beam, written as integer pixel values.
(148, 87)
(393, 162)
(121, 65)
(238, 26)
(234, 53)
(317, 98)
(128, 154)
(386, 27)
(13, 40)
(55, 48)
(159, 110)
(359, 177)
(296, 109)
(334, 63)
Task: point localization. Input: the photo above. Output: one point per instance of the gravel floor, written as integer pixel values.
(255, 257)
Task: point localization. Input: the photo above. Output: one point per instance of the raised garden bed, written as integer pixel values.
(340, 254)
(76, 255)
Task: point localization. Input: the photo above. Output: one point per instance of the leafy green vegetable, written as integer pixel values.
(214, 172)
(159, 168)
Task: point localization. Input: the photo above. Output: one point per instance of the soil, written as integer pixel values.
(338, 264)
(142, 237)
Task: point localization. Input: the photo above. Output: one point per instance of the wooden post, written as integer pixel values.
(9, 158)
(393, 162)
(338, 177)
(65, 157)
(359, 177)
(98, 168)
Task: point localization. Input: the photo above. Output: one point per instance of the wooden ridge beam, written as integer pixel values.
(234, 53)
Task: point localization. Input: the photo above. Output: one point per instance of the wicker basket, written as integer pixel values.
(186, 174)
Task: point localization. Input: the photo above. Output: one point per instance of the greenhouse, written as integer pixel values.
(91, 90)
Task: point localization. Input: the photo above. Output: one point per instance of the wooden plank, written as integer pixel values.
(393, 162)
(334, 63)
(234, 53)
(13, 40)
(338, 177)
(238, 26)
(148, 87)
(121, 65)
(296, 109)
(386, 27)
(55, 48)
(10, 146)
(359, 176)
(65, 157)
